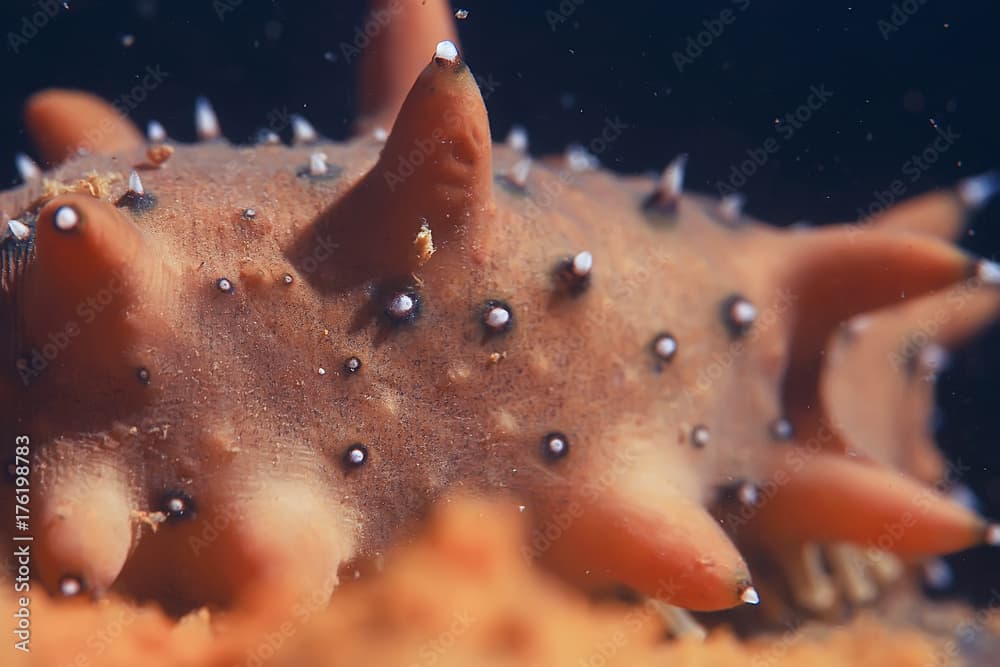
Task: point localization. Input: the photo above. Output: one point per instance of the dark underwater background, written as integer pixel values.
(715, 79)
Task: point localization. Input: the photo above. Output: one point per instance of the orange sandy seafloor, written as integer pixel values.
(462, 594)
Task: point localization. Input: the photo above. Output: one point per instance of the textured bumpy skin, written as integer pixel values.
(245, 365)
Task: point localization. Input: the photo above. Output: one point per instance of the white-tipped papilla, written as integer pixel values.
(579, 159)
(977, 190)
(582, 264)
(519, 172)
(401, 306)
(206, 124)
(18, 230)
(749, 595)
(517, 139)
(135, 183)
(672, 181)
(317, 164)
(26, 167)
(731, 207)
(155, 132)
(302, 130)
(446, 51)
(742, 312)
(497, 317)
(988, 272)
(66, 218)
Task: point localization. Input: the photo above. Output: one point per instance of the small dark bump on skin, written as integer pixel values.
(700, 436)
(569, 279)
(355, 456)
(738, 314)
(555, 446)
(177, 506)
(497, 317)
(403, 307)
(782, 429)
(352, 365)
(71, 585)
(137, 203)
(664, 347)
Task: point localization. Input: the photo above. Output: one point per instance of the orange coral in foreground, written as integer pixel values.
(461, 595)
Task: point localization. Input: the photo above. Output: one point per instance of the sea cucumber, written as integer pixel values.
(242, 365)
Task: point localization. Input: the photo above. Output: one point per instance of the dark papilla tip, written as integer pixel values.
(664, 347)
(403, 306)
(555, 445)
(352, 365)
(66, 219)
(177, 506)
(355, 456)
(497, 317)
(71, 585)
(738, 314)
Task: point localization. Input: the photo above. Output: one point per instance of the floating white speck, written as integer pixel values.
(380, 134)
(579, 159)
(135, 183)
(988, 272)
(976, 191)
(206, 123)
(462, 14)
(750, 596)
(521, 508)
(66, 218)
(517, 139)
(155, 132)
(26, 167)
(672, 181)
(302, 130)
(497, 317)
(321, 371)
(519, 172)
(128, 40)
(356, 456)
(731, 207)
(446, 51)
(18, 230)
(992, 537)
(582, 264)
(700, 436)
(317, 164)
